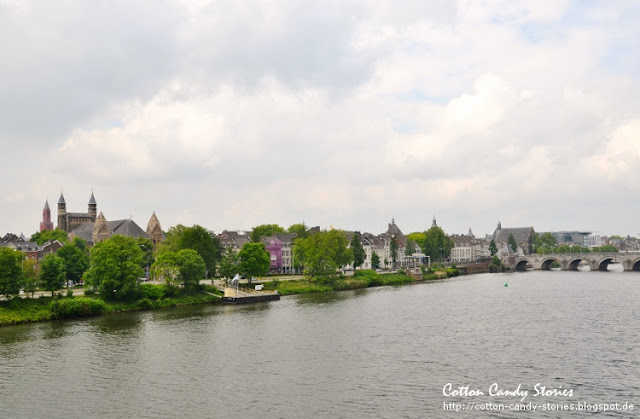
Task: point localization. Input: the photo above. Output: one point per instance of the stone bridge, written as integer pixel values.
(571, 261)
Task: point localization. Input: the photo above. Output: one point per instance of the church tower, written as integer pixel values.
(62, 213)
(154, 230)
(46, 223)
(93, 207)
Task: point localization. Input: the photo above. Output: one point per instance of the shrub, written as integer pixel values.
(69, 293)
(170, 291)
(145, 304)
(401, 272)
(151, 291)
(77, 307)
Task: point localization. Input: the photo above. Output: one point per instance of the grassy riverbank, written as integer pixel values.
(364, 278)
(27, 310)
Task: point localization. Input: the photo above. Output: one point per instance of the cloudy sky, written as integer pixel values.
(231, 114)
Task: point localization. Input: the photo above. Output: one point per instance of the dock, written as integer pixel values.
(245, 295)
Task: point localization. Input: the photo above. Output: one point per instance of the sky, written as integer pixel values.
(343, 114)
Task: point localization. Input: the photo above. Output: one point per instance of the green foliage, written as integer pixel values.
(254, 260)
(323, 253)
(165, 268)
(11, 275)
(493, 248)
(300, 230)
(359, 255)
(546, 240)
(24, 310)
(31, 276)
(52, 273)
(44, 236)
(116, 265)
(75, 255)
(393, 248)
(151, 291)
(417, 238)
(191, 267)
(197, 238)
(555, 264)
(146, 246)
(410, 248)
(605, 249)
(77, 307)
(375, 260)
(496, 265)
(229, 263)
(512, 242)
(437, 244)
(265, 230)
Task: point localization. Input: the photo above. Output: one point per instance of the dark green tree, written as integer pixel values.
(437, 244)
(410, 248)
(393, 249)
(75, 255)
(265, 230)
(359, 254)
(52, 273)
(44, 236)
(493, 248)
(116, 265)
(31, 276)
(323, 253)
(191, 268)
(254, 260)
(165, 268)
(512, 242)
(375, 260)
(11, 275)
(197, 238)
(229, 264)
(146, 246)
(300, 230)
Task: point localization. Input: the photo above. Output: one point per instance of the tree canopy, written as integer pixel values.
(492, 247)
(265, 230)
(44, 236)
(197, 238)
(359, 254)
(375, 260)
(393, 249)
(254, 260)
(323, 253)
(436, 243)
(512, 242)
(52, 273)
(229, 264)
(75, 255)
(11, 275)
(191, 267)
(116, 265)
(300, 230)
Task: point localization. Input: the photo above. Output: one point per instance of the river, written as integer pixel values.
(379, 352)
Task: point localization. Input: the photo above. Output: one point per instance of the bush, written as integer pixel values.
(69, 293)
(77, 307)
(88, 292)
(151, 291)
(145, 304)
(170, 291)
(401, 272)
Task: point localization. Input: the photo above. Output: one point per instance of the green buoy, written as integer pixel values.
(506, 285)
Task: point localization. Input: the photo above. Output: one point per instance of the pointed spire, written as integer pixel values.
(92, 200)
(46, 204)
(61, 200)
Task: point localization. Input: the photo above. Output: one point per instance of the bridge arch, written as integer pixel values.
(603, 263)
(523, 264)
(547, 261)
(574, 263)
(635, 265)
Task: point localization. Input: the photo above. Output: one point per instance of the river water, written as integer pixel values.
(380, 352)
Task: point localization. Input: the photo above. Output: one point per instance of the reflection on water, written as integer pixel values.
(380, 352)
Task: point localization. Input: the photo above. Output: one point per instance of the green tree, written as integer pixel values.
(44, 236)
(375, 260)
(52, 273)
(11, 275)
(410, 248)
(393, 249)
(75, 255)
(165, 268)
(197, 238)
(229, 263)
(512, 242)
(300, 230)
(116, 265)
(493, 248)
(359, 254)
(254, 260)
(417, 238)
(437, 244)
(191, 268)
(323, 253)
(265, 230)
(30, 275)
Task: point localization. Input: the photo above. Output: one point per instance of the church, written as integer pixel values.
(94, 228)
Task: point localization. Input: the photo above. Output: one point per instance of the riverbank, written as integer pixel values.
(28, 310)
(361, 279)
